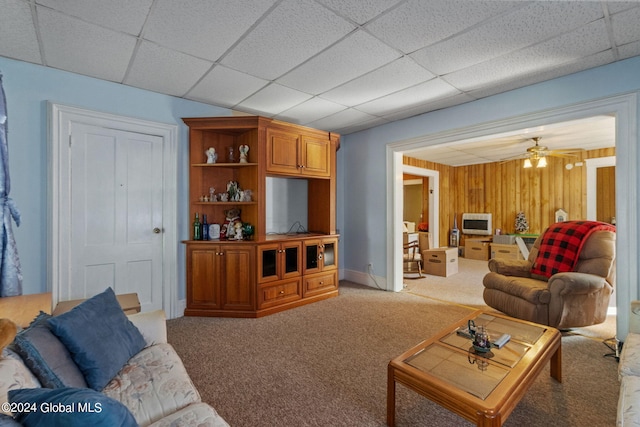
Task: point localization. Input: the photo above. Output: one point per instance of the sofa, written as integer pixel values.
(71, 370)
(567, 299)
(629, 372)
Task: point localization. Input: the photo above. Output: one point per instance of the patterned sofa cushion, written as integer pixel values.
(14, 375)
(630, 356)
(628, 409)
(194, 415)
(153, 384)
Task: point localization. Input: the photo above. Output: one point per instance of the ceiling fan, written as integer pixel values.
(537, 155)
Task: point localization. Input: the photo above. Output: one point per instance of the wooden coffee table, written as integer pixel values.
(481, 388)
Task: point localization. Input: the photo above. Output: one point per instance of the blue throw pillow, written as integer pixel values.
(99, 337)
(46, 356)
(68, 407)
(7, 421)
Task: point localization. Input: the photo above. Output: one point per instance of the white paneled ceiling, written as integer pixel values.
(339, 65)
(588, 134)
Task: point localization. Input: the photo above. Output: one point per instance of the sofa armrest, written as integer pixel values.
(152, 325)
(510, 267)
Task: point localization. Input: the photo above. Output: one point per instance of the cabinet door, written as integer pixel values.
(282, 152)
(291, 260)
(315, 155)
(268, 260)
(329, 254)
(237, 279)
(312, 256)
(203, 278)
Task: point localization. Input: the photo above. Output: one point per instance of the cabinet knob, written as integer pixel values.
(156, 230)
(281, 292)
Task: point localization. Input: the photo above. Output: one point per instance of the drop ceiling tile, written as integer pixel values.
(408, 98)
(438, 104)
(522, 80)
(17, 32)
(274, 99)
(162, 70)
(203, 28)
(73, 45)
(225, 87)
(344, 121)
(310, 28)
(625, 26)
(395, 76)
(520, 28)
(629, 50)
(553, 53)
(120, 15)
(356, 127)
(311, 110)
(360, 11)
(416, 23)
(354, 56)
(619, 6)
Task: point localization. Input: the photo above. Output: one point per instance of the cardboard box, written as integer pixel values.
(477, 249)
(440, 261)
(425, 240)
(499, 251)
(129, 303)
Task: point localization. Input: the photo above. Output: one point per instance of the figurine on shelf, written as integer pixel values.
(212, 156)
(238, 231)
(243, 149)
(232, 217)
(233, 189)
(246, 196)
(212, 194)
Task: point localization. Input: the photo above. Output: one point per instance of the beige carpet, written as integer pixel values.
(465, 288)
(325, 364)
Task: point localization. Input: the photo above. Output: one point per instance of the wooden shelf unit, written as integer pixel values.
(225, 277)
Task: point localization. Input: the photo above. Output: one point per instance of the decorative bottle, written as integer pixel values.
(454, 236)
(197, 228)
(205, 228)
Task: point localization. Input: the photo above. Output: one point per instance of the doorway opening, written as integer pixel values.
(623, 108)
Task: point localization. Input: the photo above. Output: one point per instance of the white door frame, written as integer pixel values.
(623, 107)
(592, 185)
(60, 118)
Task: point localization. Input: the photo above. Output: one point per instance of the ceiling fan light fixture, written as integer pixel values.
(527, 164)
(542, 162)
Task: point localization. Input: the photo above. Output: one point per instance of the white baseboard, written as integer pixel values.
(181, 304)
(365, 279)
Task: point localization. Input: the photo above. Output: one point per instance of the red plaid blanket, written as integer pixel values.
(561, 244)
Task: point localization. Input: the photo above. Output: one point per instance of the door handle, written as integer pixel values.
(156, 230)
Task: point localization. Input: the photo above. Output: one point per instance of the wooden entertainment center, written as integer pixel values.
(270, 272)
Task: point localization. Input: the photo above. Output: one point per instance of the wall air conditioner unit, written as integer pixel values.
(477, 223)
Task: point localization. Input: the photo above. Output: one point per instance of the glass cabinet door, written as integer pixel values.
(269, 263)
(312, 256)
(329, 259)
(291, 264)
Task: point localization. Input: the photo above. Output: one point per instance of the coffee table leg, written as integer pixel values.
(556, 364)
(391, 397)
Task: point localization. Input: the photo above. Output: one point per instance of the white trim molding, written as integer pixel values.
(60, 118)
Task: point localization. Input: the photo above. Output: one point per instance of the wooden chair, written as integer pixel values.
(410, 257)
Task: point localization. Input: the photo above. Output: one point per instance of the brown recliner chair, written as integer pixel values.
(565, 300)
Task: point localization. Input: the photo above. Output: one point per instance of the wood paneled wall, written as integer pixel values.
(505, 188)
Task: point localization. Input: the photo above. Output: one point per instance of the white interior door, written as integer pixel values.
(116, 214)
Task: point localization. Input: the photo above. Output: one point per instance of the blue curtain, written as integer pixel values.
(10, 271)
